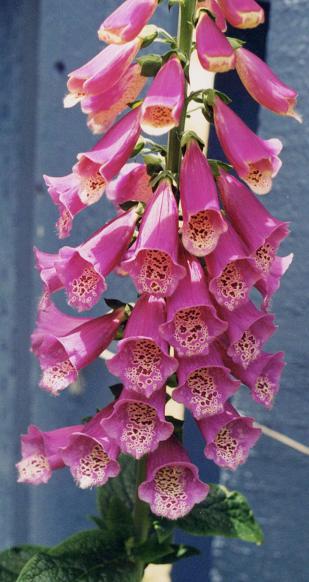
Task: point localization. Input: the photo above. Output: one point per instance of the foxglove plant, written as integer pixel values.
(196, 242)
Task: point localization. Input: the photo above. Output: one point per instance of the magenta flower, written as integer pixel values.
(45, 264)
(143, 363)
(214, 50)
(229, 437)
(127, 21)
(261, 232)
(204, 384)
(138, 424)
(262, 377)
(202, 219)
(213, 7)
(270, 284)
(163, 104)
(82, 269)
(102, 109)
(101, 73)
(41, 453)
(248, 330)
(64, 194)
(264, 86)
(192, 323)
(65, 344)
(91, 455)
(97, 167)
(153, 263)
(254, 159)
(242, 13)
(172, 485)
(232, 273)
(132, 183)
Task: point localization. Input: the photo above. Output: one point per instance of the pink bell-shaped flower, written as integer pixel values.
(213, 7)
(64, 194)
(270, 284)
(242, 13)
(214, 51)
(127, 21)
(132, 183)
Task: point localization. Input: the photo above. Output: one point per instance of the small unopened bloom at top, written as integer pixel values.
(255, 160)
(143, 362)
(264, 86)
(91, 454)
(202, 219)
(192, 323)
(153, 264)
(172, 486)
(229, 437)
(65, 344)
(127, 21)
(64, 194)
(163, 104)
(214, 50)
(213, 7)
(41, 453)
(242, 13)
(100, 73)
(132, 183)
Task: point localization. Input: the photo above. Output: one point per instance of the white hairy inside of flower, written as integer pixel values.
(83, 289)
(264, 390)
(91, 469)
(143, 369)
(157, 119)
(228, 449)
(205, 398)
(259, 177)
(170, 497)
(155, 275)
(231, 287)
(59, 376)
(264, 257)
(139, 431)
(199, 234)
(191, 331)
(34, 469)
(91, 188)
(247, 348)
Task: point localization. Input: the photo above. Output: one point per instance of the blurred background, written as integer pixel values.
(40, 42)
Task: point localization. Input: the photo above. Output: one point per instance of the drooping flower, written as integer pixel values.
(138, 424)
(229, 437)
(64, 194)
(65, 344)
(41, 453)
(82, 269)
(97, 167)
(264, 86)
(204, 384)
(45, 264)
(127, 21)
(172, 486)
(248, 330)
(213, 7)
(163, 104)
(102, 109)
(255, 160)
(132, 183)
(270, 284)
(101, 73)
(192, 323)
(203, 223)
(261, 232)
(143, 363)
(232, 273)
(90, 453)
(214, 51)
(153, 264)
(242, 13)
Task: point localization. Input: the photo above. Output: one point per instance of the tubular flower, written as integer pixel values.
(103, 109)
(264, 86)
(261, 232)
(45, 264)
(82, 270)
(64, 344)
(143, 363)
(97, 167)
(248, 330)
(41, 453)
(203, 223)
(255, 160)
(153, 262)
(214, 50)
(172, 485)
(163, 104)
(271, 283)
(64, 194)
(192, 323)
(101, 73)
(132, 183)
(204, 384)
(262, 377)
(242, 13)
(137, 424)
(229, 437)
(127, 21)
(232, 273)
(213, 7)
(91, 455)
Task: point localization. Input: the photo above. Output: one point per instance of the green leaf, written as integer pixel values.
(122, 487)
(14, 559)
(223, 513)
(150, 65)
(152, 551)
(163, 527)
(178, 552)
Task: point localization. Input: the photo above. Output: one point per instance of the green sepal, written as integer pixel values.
(216, 164)
(14, 559)
(138, 148)
(154, 163)
(150, 65)
(235, 43)
(135, 104)
(223, 96)
(180, 55)
(188, 136)
(165, 174)
(148, 35)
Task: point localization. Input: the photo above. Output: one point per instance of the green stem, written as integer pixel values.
(141, 515)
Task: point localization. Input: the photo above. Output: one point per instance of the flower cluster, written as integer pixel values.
(195, 243)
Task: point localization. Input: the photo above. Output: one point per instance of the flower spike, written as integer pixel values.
(127, 21)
